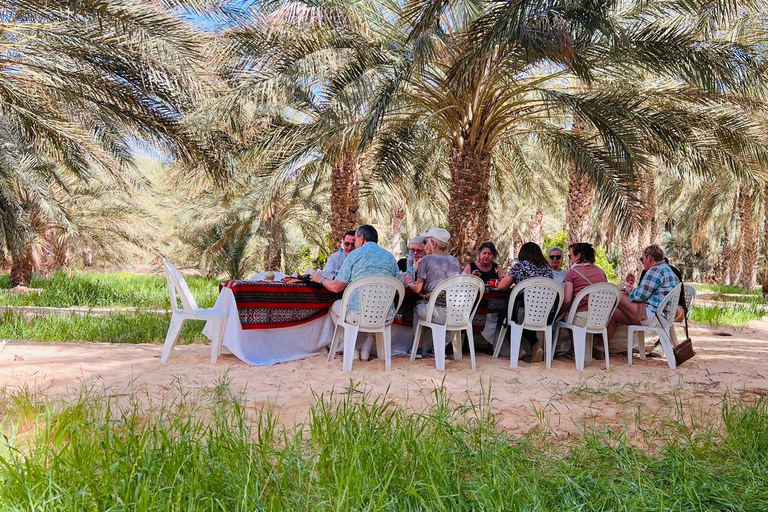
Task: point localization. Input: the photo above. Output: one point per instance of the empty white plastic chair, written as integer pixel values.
(689, 293)
(189, 311)
(377, 294)
(539, 297)
(462, 296)
(602, 301)
(662, 324)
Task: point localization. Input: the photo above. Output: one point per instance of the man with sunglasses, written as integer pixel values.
(335, 260)
(416, 246)
(555, 256)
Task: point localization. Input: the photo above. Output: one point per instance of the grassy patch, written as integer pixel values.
(107, 289)
(115, 328)
(726, 289)
(726, 315)
(206, 452)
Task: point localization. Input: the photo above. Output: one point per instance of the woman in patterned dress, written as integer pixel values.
(530, 263)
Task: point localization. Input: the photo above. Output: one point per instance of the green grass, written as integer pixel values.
(106, 289)
(114, 328)
(207, 452)
(726, 289)
(726, 315)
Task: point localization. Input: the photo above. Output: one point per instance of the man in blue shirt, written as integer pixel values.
(335, 260)
(366, 260)
(638, 306)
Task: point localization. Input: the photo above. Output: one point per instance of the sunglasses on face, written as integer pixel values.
(642, 260)
(556, 257)
(417, 250)
(349, 244)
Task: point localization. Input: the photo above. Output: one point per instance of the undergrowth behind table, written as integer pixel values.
(128, 327)
(100, 289)
(211, 450)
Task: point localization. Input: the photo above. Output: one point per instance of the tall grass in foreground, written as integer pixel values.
(207, 452)
(130, 327)
(97, 289)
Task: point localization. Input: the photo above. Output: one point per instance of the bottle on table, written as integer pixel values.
(410, 263)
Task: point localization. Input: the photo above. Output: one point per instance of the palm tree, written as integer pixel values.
(487, 74)
(81, 83)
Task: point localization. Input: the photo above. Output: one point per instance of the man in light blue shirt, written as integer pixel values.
(366, 260)
(335, 260)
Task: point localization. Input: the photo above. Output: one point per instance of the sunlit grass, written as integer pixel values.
(209, 451)
(726, 315)
(114, 328)
(95, 289)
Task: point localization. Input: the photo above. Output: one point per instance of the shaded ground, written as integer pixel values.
(560, 401)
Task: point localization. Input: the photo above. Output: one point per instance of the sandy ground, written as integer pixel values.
(561, 401)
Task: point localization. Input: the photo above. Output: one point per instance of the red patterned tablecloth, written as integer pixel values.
(263, 305)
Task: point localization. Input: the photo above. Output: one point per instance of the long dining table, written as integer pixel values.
(273, 322)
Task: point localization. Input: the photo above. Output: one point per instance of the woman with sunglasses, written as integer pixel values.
(555, 256)
(484, 267)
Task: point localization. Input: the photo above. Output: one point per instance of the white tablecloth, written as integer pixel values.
(270, 346)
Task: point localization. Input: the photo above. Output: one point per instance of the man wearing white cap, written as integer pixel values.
(434, 268)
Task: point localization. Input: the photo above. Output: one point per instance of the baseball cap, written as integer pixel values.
(438, 234)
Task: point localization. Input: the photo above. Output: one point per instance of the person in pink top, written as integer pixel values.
(582, 273)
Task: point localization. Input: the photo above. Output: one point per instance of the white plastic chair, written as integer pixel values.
(602, 301)
(661, 324)
(189, 311)
(689, 292)
(539, 298)
(462, 296)
(377, 292)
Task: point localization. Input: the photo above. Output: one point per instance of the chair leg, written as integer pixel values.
(579, 347)
(416, 340)
(666, 344)
(218, 337)
(630, 343)
(499, 341)
(550, 350)
(515, 337)
(380, 341)
(641, 343)
(471, 341)
(388, 347)
(438, 339)
(605, 345)
(350, 338)
(589, 341)
(334, 343)
(173, 335)
(456, 343)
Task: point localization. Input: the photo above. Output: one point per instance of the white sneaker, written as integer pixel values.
(365, 355)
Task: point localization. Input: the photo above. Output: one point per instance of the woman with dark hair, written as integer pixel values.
(530, 263)
(582, 273)
(484, 266)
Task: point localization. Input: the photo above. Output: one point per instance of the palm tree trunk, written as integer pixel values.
(749, 240)
(345, 198)
(723, 266)
(765, 241)
(274, 253)
(22, 268)
(629, 255)
(397, 213)
(536, 227)
(734, 271)
(468, 208)
(578, 207)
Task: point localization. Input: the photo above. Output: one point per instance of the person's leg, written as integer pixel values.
(619, 317)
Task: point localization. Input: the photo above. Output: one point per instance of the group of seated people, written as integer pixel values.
(361, 256)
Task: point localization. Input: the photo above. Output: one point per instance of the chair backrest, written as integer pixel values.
(376, 294)
(602, 301)
(689, 292)
(670, 301)
(539, 298)
(176, 283)
(462, 296)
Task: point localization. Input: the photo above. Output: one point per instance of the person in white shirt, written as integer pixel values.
(555, 256)
(335, 260)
